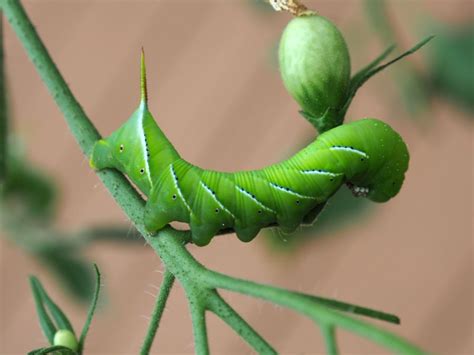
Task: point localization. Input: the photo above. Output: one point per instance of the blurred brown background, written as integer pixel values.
(217, 95)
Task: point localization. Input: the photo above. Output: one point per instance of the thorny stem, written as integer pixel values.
(199, 283)
(166, 285)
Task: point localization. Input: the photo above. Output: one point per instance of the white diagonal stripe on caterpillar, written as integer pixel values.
(350, 149)
(296, 169)
(248, 194)
(145, 150)
(213, 195)
(291, 192)
(178, 189)
(320, 172)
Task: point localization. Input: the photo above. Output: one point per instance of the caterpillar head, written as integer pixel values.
(390, 179)
(389, 162)
(138, 148)
(378, 157)
(127, 150)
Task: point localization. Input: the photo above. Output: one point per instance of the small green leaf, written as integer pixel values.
(62, 322)
(351, 308)
(91, 312)
(361, 78)
(46, 323)
(57, 349)
(358, 77)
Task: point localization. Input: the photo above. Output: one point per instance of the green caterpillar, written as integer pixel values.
(368, 155)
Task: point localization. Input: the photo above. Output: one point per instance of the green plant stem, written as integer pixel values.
(329, 335)
(223, 310)
(198, 318)
(350, 308)
(191, 273)
(3, 114)
(90, 314)
(165, 289)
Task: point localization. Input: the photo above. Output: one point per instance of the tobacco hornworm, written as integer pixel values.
(368, 155)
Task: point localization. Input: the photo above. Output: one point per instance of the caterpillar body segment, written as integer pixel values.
(367, 155)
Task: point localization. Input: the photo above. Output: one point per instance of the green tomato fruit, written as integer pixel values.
(315, 66)
(66, 338)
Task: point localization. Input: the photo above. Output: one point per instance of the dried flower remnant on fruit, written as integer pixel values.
(293, 6)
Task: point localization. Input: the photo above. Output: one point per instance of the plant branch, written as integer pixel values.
(198, 318)
(165, 289)
(329, 335)
(350, 308)
(3, 113)
(224, 311)
(318, 312)
(90, 314)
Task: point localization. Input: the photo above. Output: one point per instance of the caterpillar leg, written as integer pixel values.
(287, 226)
(164, 205)
(358, 191)
(310, 218)
(155, 218)
(246, 233)
(202, 232)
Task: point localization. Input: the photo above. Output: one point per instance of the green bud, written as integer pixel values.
(66, 338)
(315, 66)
